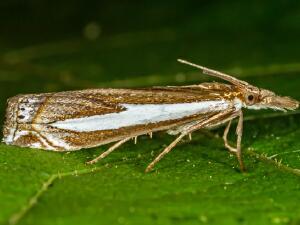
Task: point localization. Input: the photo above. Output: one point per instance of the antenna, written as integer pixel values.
(215, 73)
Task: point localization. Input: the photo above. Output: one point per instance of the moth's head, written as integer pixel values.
(257, 98)
(252, 97)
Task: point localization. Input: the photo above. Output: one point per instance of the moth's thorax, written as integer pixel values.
(231, 96)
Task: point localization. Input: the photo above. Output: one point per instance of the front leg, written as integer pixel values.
(239, 132)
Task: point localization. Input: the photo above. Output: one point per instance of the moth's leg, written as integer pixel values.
(239, 132)
(164, 152)
(227, 145)
(135, 139)
(189, 129)
(110, 150)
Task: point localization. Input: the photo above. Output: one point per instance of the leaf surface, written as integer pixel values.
(198, 182)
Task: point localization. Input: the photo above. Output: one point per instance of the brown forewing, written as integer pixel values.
(76, 104)
(52, 107)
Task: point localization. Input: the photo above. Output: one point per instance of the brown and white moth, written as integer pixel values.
(72, 120)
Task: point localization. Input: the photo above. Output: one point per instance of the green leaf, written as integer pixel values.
(199, 182)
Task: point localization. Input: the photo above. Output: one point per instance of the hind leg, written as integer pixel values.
(110, 150)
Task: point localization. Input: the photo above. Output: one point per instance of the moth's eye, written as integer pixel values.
(250, 98)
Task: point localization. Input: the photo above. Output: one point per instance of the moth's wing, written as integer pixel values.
(35, 114)
(205, 87)
(28, 117)
(49, 137)
(48, 108)
(76, 105)
(211, 90)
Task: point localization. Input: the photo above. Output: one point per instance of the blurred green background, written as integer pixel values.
(64, 45)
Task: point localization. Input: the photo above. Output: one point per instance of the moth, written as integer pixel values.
(72, 120)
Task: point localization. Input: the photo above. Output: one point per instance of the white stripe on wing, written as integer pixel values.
(138, 114)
